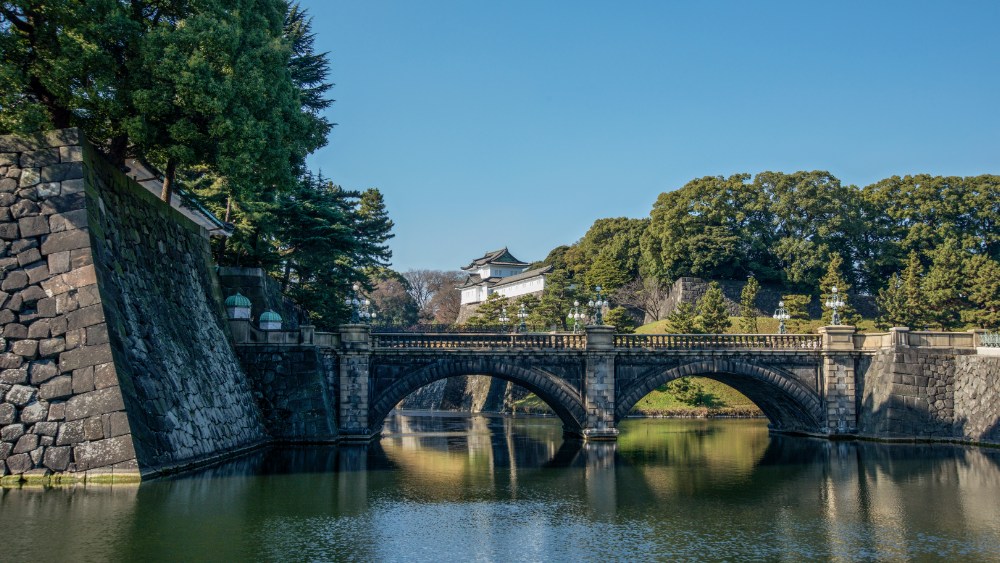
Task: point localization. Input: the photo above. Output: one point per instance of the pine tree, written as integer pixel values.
(833, 278)
(555, 303)
(682, 320)
(713, 316)
(489, 313)
(915, 314)
(891, 303)
(621, 319)
(945, 286)
(983, 275)
(748, 312)
(797, 306)
(528, 303)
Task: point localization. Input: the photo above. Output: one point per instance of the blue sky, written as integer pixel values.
(518, 123)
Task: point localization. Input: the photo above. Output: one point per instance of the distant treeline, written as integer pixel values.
(942, 232)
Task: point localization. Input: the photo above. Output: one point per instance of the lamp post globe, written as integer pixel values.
(522, 313)
(598, 304)
(834, 303)
(782, 315)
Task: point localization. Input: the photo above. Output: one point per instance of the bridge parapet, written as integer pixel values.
(535, 341)
(718, 341)
(902, 336)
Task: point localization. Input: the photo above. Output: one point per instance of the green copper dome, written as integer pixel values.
(270, 317)
(237, 300)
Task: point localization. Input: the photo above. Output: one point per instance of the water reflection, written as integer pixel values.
(476, 487)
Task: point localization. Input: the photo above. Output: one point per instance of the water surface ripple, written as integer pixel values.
(479, 488)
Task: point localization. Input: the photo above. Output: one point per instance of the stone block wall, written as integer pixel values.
(113, 359)
(977, 398)
(295, 389)
(911, 392)
(62, 408)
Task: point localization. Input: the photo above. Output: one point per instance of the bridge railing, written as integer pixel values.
(989, 339)
(718, 341)
(453, 340)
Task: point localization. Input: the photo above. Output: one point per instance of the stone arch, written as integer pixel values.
(788, 404)
(564, 400)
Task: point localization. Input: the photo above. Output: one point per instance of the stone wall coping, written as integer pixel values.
(34, 141)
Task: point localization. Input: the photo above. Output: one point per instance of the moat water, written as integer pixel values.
(478, 488)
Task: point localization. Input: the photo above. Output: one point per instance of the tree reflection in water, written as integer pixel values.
(467, 487)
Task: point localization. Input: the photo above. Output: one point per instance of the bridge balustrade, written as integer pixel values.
(990, 339)
(455, 340)
(718, 341)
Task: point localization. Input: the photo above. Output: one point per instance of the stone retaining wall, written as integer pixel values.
(977, 398)
(931, 393)
(295, 388)
(114, 360)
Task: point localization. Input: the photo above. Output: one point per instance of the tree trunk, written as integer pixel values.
(287, 276)
(117, 149)
(168, 180)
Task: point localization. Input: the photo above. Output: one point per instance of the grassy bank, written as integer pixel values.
(691, 397)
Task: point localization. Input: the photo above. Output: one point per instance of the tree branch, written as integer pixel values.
(21, 25)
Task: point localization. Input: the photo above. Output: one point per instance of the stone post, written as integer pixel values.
(240, 329)
(899, 336)
(307, 334)
(977, 337)
(838, 379)
(599, 384)
(353, 396)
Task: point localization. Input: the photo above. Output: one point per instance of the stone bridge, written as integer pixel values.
(807, 384)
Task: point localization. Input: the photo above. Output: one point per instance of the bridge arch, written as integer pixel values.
(564, 400)
(788, 404)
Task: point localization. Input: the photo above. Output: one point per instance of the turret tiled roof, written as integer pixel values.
(524, 275)
(501, 257)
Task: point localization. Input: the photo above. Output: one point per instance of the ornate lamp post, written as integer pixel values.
(577, 315)
(504, 319)
(834, 303)
(365, 314)
(522, 314)
(598, 305)
(782, 315)
(354, 303)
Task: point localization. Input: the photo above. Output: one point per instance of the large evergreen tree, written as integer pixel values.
(555, 303)
(915, 313)
(944, 286)
(982, 276)
(891, 303)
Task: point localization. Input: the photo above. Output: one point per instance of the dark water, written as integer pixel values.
(492, 489)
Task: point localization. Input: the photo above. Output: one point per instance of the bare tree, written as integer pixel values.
(421, 286)
(644, 294)
(435, 295)
(447, 301)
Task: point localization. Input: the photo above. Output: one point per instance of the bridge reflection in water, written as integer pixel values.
(476, 487)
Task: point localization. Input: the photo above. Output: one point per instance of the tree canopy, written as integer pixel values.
(226, 98)
(806, 231)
